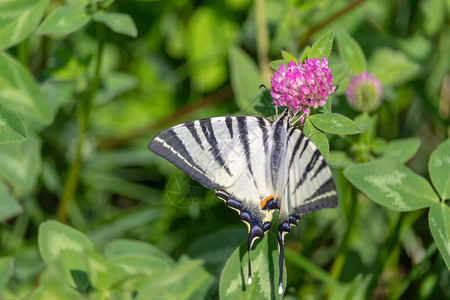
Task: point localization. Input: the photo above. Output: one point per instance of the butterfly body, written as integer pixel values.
(256, 166)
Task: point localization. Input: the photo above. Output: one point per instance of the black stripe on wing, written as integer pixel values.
(169, 146)
(243, 137)
(324, 196)
(312, 162)
(208, 132)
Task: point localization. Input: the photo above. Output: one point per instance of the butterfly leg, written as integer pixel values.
(284, 227)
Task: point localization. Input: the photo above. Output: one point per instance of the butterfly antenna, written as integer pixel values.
(280, 262)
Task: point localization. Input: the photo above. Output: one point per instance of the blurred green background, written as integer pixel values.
(93, 91)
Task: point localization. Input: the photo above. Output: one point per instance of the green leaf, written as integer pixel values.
(350, 52)
(81, 280)
(276, 63)
(217, 247)
(439, 168)
(64, 20)
(287, 56)
(265, 272)
(367, 125)
(18, 19)
(207, 39)
(20, 92)
(392, 67)
(402, 150)
(339, 72)
(339, 159)
(55, 290)
(9, 207)
(117, 22)
(322, 47)
(304, 54)
(114, 84)
(125, 247)
(245, 77)
(188, 280)
(20, 163)
(335, 123)
(262, 104)
(389, 183)
(378, 145)
(6, 270)
(318, 138)
(11, 127)
(54, 238)
(439, 222)
(125, 266)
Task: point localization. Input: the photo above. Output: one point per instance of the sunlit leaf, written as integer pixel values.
(318, 138)
(20, 163)
(117, 22)
(55, 237)
(439, 167)
(125, 247)
(64, 20)
(18, 18)
(350, 52)
(245, 77)
(20, 92)
(11, 127)
(334, 123)
(402, 149)
(439, 222)
(392, 67)
(389, 183)
(287, 56)
(9, 207)
(265, 272)
(322, 47)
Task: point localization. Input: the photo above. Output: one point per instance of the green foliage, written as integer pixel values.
(11, 127)
(322, 47)
(19, 18)
(128, 269)
(84, 85)
(335, 124)
(265, 273)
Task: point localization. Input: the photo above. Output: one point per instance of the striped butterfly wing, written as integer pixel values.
(213, 151)
(231, 155)
(255, 166)
(308, 186)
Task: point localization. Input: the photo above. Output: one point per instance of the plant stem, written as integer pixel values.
(23, 52)
(386, 251)
(416, 271)
(84, 115)
(339, 261)
(310, 267)
(262, 38)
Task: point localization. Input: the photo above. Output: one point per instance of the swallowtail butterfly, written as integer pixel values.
(256, 166)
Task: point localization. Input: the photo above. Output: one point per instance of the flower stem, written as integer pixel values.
(310, 267)
(84, 115)
(339, 261)
(385, 252)
(262, 39)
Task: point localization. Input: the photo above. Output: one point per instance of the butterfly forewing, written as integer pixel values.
(210, 151)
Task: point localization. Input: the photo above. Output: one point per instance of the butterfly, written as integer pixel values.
(256, 166)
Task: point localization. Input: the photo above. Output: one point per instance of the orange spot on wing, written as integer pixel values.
(264, 201)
